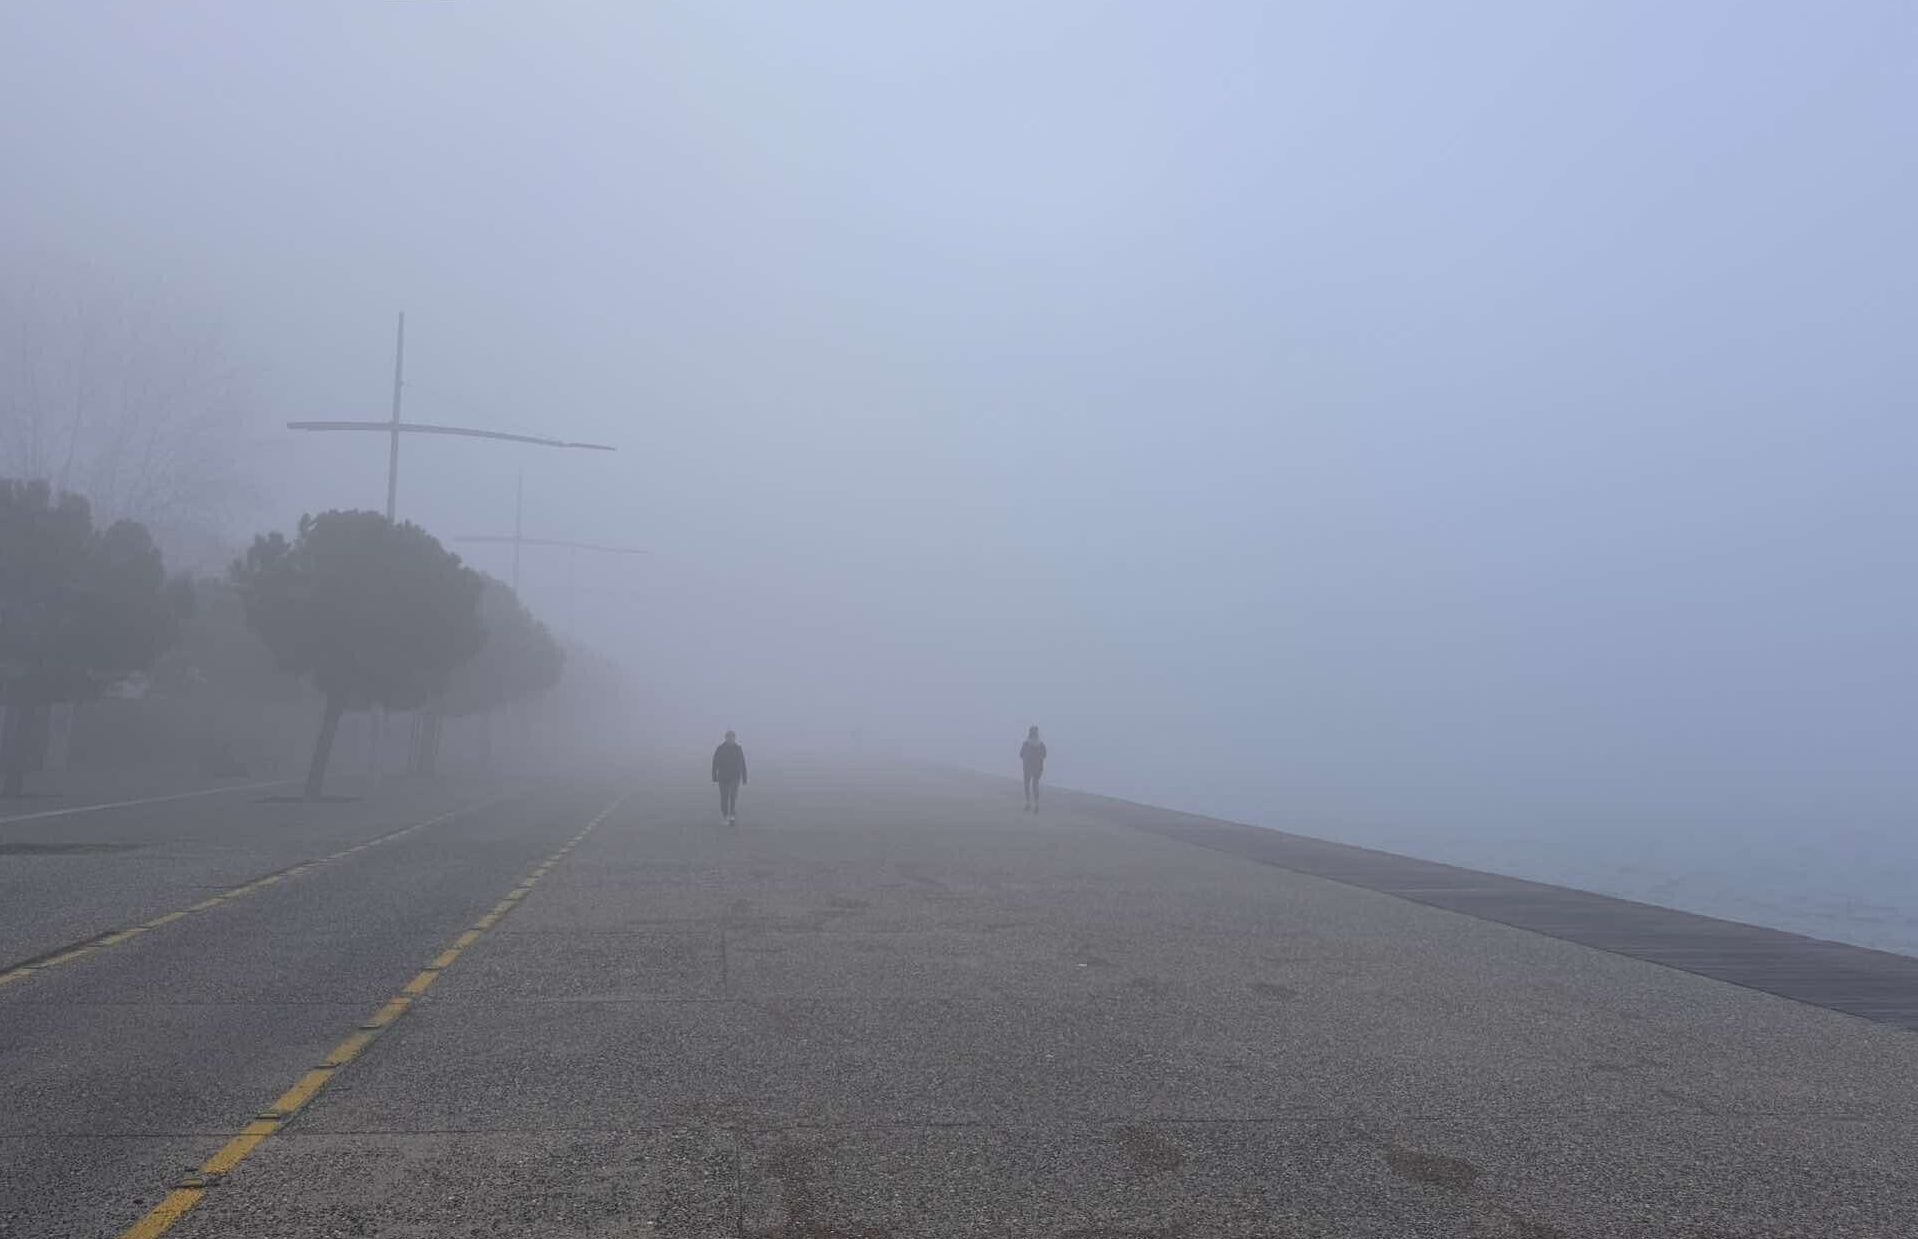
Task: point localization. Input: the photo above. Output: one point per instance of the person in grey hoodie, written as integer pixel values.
(729, 771)
(1032, 755)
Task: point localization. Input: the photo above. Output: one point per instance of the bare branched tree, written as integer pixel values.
(125, 397)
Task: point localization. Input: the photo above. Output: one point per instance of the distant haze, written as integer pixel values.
(1435, 415)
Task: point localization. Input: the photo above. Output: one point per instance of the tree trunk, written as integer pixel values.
(13, 760)
(426, 740)
(23, 745)
(416, 746)
(323, 747)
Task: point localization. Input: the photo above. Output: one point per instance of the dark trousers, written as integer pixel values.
(728, 796)
(1032, 787)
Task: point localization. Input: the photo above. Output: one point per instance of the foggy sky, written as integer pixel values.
(1425, 413)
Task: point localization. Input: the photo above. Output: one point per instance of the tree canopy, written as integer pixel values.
(374, 613)
(519, 659)
(81, 608)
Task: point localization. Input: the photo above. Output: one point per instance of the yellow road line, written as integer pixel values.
(293, 1098)
(235, 1149)
(348, 1050)
(187, 1194)
(394, 1009)
(114, 937)
(165, 1214)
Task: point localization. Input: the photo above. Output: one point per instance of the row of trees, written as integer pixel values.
(372, 613)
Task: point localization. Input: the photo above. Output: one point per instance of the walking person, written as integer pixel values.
(1032, 755)
(729, 771)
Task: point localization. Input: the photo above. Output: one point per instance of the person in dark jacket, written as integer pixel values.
(1032, 755)
(729, 771)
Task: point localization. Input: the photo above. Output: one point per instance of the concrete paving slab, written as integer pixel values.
(828, 899)
(550, 1065)
(1702, 1175)
(666, 963)
(1129, 1179)
(1142, 1178)
(849, 963)
(554, 1184)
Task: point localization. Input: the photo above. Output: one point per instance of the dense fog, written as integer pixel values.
(1448, 427)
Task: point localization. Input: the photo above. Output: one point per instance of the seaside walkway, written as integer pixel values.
(898, 1006)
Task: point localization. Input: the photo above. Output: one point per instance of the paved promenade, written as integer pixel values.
(898, 1007)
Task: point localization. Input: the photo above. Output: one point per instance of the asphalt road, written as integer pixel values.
(883, 1007)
